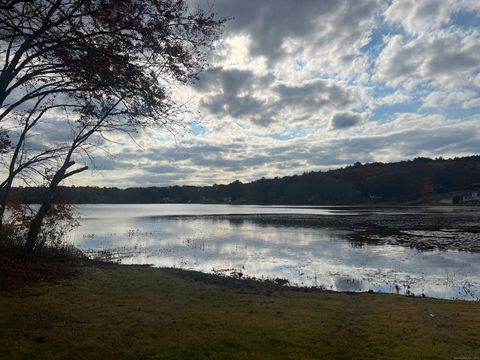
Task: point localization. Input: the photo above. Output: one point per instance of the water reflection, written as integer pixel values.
(302, 250)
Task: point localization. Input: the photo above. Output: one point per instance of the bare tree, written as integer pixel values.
(108, 63)
(4, 142)
(21, 159)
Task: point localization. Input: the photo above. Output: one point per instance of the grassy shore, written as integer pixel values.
(134, 312)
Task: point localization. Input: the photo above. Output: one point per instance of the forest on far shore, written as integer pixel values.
(405, 181)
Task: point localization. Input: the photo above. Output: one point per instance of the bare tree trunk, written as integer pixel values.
(61, 174)
(36, 224)
(35, 227)
(11, 175)
(4, 198)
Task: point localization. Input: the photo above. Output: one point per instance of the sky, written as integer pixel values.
(308, 85)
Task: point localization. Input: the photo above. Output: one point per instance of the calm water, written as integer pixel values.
(334, 248)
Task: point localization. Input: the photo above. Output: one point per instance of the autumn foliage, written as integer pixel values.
(109, 65)
(58, 223)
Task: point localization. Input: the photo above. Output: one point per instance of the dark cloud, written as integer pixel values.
(314, 95)
(274, 21)
(165, 169)
(236, 93)
(271, 22)
(206, 164)
(236, 107)
(231, 92)
(150, 180)
(349, 65)
(344, 120)
(345, 76)
(231, 81)
(107, 163)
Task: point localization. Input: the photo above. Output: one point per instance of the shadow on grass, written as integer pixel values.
(49, 264)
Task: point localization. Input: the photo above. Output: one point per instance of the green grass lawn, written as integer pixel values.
(133, 312)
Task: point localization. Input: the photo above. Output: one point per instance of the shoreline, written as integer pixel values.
(111, 311)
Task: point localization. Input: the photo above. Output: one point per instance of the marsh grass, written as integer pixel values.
(113, 311)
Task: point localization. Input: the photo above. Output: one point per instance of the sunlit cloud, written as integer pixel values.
(315, 85)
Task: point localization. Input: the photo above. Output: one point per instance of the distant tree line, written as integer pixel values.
(404, 181)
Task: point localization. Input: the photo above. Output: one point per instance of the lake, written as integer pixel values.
(416, 251)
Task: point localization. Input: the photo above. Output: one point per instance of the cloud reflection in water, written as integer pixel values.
(304, 255)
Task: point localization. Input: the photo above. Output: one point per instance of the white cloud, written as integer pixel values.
(397, 97)
(418, 16)
(446, 57)
(445, 99)
(472, 103)
(264, 115)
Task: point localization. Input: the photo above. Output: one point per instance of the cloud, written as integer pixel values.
(344, 120)
(270, 33)
(315, 95)
(419, 16)
(307, 85)
(99, 162)
(266, 101)
(444, 99)
(445, 57)
(472, 103)
(329, 32)
(397, 97)
(407, 136)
